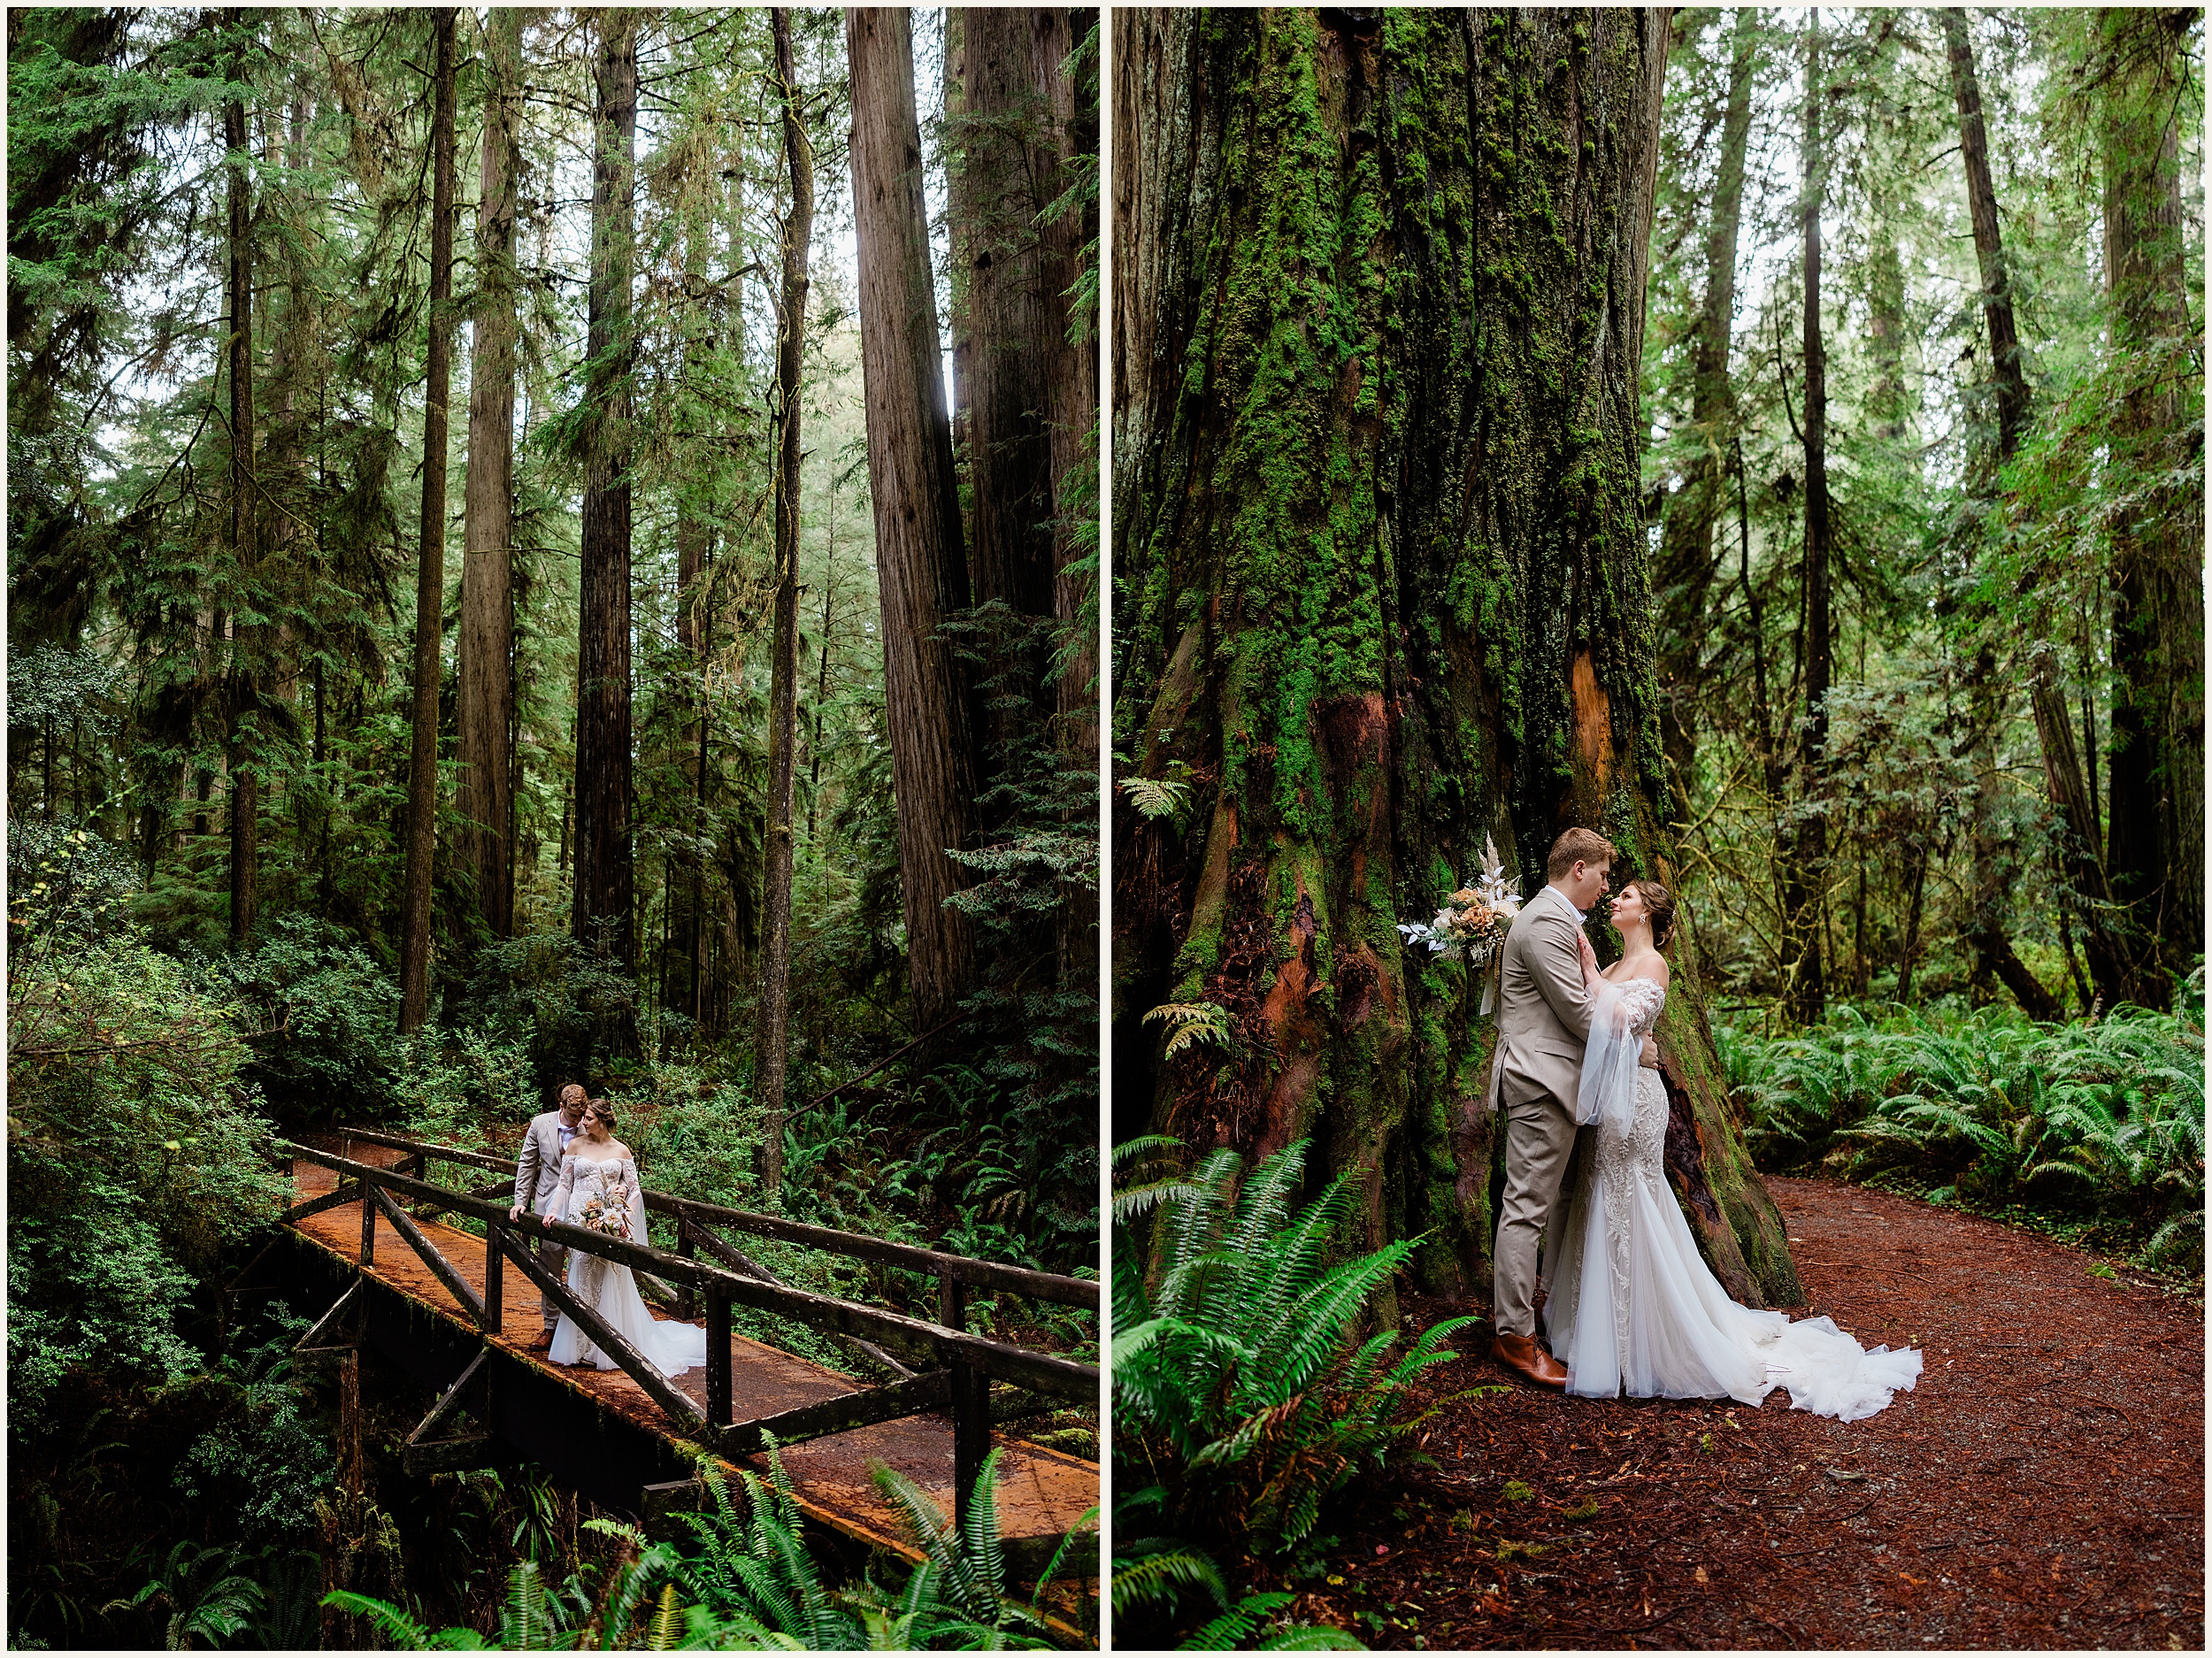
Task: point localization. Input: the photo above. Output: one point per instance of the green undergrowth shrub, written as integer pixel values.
(137, 1156)
(2088, 1122)
(1243, 1401)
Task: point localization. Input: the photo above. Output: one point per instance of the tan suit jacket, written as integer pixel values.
(538, 1170)
(1544, 1010)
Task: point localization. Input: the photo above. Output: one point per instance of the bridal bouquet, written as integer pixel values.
(608, 1212)
(1472, 923)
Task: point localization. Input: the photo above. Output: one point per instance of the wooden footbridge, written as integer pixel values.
(441, 1304)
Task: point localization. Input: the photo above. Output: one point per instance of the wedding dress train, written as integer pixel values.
(607, 1287)
(1631, 1305)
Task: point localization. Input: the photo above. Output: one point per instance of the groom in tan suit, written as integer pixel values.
(1544, 1012)
(537, 1172)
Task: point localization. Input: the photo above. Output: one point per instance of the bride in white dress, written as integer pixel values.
(1632, 1304)
(598, 1176)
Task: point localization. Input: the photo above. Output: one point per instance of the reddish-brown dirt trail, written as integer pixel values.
(2043, 1487)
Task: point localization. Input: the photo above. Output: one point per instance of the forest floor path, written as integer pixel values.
(2043, 1487)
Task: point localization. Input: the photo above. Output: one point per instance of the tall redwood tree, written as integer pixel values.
(606, 892)
(921, 570)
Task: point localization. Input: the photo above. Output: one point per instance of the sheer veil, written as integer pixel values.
(1608, 1091)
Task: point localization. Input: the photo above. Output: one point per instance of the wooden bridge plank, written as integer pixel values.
(1042, 1491)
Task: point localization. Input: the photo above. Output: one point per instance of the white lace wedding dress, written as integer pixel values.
(607, 1287)
(1631, 1305)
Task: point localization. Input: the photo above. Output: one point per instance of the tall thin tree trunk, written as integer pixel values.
(1686, 558)
(922, 570)
(2007, 365)
(604, 894)
(1805, 854)
(1995, 869)
(487, 510)
(422, 775)
(2155, 858)
(783, 696)
(821, 673)
(244, 683)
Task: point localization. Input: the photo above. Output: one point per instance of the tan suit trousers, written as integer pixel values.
(1539, 1136)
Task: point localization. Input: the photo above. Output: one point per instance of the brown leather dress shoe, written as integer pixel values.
(1522, 1356)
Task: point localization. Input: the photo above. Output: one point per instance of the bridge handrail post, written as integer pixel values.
(687, 1300)
(719, 1413)
(495, 1279)
(368, 1223)
(971, 1401)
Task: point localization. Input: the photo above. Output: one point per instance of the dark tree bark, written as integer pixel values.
(774, 1034)
(1804, 853)
(1379, 504)
(2155, 817)
(2007, 367)
(243, 681)
(1995, 869)
(488, 510)
(605, 895)
(422, 773)
(1001, 175)
(922, 571)
(1687, 560)
(1072, 341)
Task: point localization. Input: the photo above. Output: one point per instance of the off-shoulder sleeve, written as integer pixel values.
(637, 1201)
(559, 1209)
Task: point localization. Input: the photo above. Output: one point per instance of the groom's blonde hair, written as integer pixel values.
(1577, 846)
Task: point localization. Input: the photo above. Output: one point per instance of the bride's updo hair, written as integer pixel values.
(603, 1111)
(1659, 905)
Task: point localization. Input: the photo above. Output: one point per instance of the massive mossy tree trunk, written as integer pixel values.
(605, 894)
(1382, 279)
(922, 574)
(774, 1034)
(487, 509)
(2155, 851)
(422, 773)
(1684, 579)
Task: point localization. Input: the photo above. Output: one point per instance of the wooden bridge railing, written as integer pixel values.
(965, 1363)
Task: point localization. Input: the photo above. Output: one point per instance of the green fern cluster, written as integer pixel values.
(1240, 1394)
(751, 1584)
(2104, 1119)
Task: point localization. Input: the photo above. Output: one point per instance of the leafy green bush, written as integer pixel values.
(322, 1014)
(136, 1157)
(1989, 1107)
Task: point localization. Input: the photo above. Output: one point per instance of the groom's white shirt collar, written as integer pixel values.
(1580, 915)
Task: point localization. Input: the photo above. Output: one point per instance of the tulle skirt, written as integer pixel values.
(1641, 1313)
(610, 1290)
